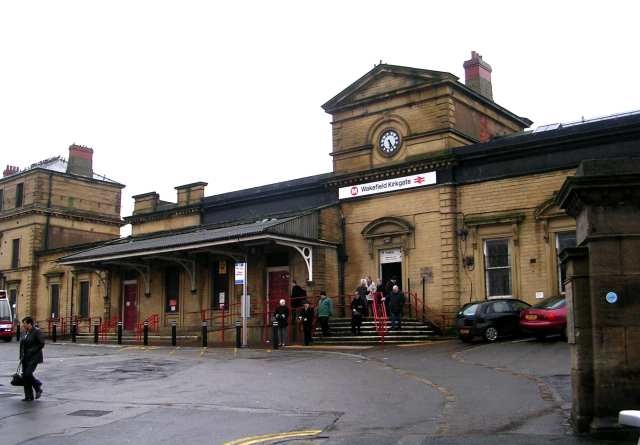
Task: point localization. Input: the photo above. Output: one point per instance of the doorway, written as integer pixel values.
(278, 287)
(220, 288)
(391, 266)
(130, 305)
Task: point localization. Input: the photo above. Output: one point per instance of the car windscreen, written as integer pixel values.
(551, 303)
(5, 310)
(469, 310)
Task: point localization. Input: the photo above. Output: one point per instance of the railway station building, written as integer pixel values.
(433, 183)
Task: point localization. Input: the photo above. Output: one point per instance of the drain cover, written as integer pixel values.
(89, 413)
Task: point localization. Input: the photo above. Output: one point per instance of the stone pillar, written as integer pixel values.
(604, 302)
(579, 336)
(449, 253)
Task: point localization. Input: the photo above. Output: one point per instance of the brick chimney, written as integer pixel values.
(10, 170)
(190, 193)
(477, 75)
(145, 202)
(80, 160)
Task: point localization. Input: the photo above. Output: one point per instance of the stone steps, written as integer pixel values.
(413, 331)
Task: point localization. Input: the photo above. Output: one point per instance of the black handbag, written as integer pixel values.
(16, 379)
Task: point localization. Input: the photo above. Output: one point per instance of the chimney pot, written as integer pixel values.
(10, 170)
(477, 75)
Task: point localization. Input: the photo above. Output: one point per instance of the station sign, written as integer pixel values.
(240, 273)
(388, 185)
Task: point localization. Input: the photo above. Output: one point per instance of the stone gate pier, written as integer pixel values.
(603, 290)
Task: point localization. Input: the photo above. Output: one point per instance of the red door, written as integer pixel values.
(130, 306)
(278, 288)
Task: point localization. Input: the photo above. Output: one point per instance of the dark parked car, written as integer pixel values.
(490, 319)
(545, 318)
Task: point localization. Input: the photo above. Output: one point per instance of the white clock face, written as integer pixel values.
(389, 142)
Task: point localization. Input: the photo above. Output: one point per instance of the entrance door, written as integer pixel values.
(130, 313)
(220, 286)
(278, 288)
(391, 266)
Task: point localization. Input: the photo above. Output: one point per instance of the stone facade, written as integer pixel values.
(63, 205)
(493, 187)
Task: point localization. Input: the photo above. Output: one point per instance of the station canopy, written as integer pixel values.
(299, 232)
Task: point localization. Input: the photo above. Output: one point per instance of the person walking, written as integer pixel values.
(306, 318)
(324, 311)
(31, 345)
(396, 305)
(282, 317)
(357, 309)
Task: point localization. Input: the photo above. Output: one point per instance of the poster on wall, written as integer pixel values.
(240, 273)
(222, 268)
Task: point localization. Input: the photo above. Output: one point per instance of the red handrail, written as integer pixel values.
(380, 315)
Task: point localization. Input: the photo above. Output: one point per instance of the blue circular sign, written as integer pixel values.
(611, 297)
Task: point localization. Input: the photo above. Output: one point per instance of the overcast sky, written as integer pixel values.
(168, 93)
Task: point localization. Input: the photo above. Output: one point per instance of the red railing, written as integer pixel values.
(153, 321)
(221, 320)
(61, 322)
(380, 315)
(107, 327)
(423, 312)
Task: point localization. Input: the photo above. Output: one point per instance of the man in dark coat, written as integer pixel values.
(298, 295)
(306, 317)
(357, 311)
(31, 345)
(396, 306)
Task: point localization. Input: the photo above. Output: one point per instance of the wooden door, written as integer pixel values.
(278, 288)
(130, 315)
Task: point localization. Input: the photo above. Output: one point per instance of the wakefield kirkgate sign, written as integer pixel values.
(388, 185)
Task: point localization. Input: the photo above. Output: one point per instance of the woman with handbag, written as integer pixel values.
(31, 345)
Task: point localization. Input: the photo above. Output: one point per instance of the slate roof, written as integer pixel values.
(276, 200)
(181, 241)
(59, 164)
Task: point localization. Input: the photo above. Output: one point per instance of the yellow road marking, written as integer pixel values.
(424, 343)
(274, 436)
(129, 347)
(175, 349)
(204, 349)
(329, 347)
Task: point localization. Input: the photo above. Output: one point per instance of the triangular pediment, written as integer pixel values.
(549, 209)
(383, 80)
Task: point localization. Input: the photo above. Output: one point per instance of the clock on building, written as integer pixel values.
(389, 142)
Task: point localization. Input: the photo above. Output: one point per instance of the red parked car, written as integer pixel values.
(547, 317)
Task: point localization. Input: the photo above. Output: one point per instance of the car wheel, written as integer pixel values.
(466, 338)
(564, 333)
(7, 339)
(491, 334)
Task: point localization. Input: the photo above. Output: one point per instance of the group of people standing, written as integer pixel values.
(369, 293)
(305, 314)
